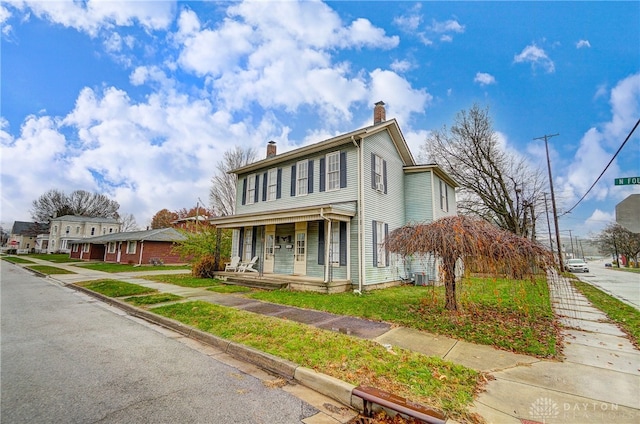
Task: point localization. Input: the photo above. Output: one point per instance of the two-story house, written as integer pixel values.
(321, 213)
(68, 228)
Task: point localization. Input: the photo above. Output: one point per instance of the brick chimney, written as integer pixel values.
(379, 113)
(271, 149)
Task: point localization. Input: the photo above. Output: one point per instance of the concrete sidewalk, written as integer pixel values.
(598, 380)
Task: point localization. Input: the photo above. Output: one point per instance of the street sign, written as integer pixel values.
(627, 180)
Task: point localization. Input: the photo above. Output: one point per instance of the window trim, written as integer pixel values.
(250, 194)
(333, 175)
(302, 178)
(135, 246)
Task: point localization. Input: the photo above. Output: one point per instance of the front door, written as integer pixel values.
(300, 249)
(269, 247)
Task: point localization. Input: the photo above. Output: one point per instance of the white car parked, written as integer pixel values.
(577, 265)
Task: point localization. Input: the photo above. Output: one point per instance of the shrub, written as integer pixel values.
(204, 267)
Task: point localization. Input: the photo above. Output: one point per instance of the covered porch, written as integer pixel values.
(301, 249)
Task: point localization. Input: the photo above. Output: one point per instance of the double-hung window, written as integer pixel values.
(302, 175)
(379, 182)
(112, 247)
(131, 247)
(444, 196)
(251, 189)
(85, 247)
(333, 171)
(272, 184)
(380, 253)
(335, 244)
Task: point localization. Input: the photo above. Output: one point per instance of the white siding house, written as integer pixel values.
(68, 228)
(321, 213)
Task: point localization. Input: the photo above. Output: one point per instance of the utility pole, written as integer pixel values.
(553, 199)
(546, 208)
(573, 255)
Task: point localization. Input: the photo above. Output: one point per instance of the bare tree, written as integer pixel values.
(223, 191)
(471, 240)
(616, 239)
(495, 184)
(129, 223)
(55, 203)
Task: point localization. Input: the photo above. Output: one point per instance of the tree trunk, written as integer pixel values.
(449, 267)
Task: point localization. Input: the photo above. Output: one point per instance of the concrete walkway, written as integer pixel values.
(598, 380)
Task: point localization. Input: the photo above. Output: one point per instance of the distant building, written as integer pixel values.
(628, 213)
(28, 236)
(70, 228)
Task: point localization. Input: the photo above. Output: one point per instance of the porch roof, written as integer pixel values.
(285, 216)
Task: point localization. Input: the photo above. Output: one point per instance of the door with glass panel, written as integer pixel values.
(300, 249)
(269, 247)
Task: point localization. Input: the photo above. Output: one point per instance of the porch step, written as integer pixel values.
(256, 282)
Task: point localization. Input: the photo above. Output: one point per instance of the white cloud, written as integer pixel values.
(91, 16)
(536, 56)
(583, 43)
(450, 25)
(401, 65)
(402, 100)
(483, 78)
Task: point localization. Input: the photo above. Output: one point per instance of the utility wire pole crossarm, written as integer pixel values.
(546, 137)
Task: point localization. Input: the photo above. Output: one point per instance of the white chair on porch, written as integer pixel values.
(233, 265)
(248, 266)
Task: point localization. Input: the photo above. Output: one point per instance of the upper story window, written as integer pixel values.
(93, 231)
(110, 230)
(378, 173)
(67, 230)
(272, 184)
(251, 189)
(78, 230)
(333, 171)
(302, 178)
(104, 231)
(444, 196)
(55, 229)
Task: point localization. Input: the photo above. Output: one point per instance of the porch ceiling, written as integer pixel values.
(284, 217)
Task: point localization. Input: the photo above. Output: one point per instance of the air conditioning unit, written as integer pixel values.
(421, 279)
(380, 186)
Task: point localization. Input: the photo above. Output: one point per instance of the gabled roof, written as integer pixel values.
(78, 218)
(158, 234)
(351, 137)
(24, 227)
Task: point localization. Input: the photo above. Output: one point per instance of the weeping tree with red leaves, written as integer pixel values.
(472, 240)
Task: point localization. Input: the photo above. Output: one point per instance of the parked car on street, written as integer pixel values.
(577, 265)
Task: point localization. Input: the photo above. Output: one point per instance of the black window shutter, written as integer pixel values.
(264, 187)
(322, 174)
(310, 178)
(244, 191)
(384, 175)
(343, 169)
(279, 184)
(293, 180)
(386, 251)
(343, 243)
(373, 171)
(241, 242)
(257, 188)
(374, 236)
(320, 242)
(254, 237)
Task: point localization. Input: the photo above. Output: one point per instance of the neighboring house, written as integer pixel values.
(192, 224)
(135, 247)
(70, 228)
(322, 212)
(28, 236)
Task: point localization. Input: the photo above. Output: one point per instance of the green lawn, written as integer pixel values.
(115, 268)
(183, 280)
(626, 269)
(115, 288)
(626, 316)
(55, 257)
(430, 380)
(49, 270)
(511, 315)
(17, 260)
(152, 299)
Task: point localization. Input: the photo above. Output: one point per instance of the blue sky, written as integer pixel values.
(139, 99)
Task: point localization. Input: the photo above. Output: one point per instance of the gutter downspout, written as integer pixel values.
(141, 250)
(327, 243)
(361, 254)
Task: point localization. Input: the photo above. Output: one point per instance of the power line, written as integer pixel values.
(605, 169)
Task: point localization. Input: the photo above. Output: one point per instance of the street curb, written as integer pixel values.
(324, 384)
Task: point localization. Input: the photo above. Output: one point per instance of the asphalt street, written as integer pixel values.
(619, 284)
(67, 358)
